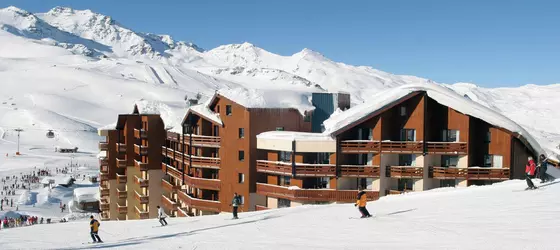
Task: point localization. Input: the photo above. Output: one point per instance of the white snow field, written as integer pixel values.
(501, 216)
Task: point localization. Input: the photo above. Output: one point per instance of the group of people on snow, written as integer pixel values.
(22, 220)
(533, 170)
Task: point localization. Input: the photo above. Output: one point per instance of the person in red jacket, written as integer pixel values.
(530, 173)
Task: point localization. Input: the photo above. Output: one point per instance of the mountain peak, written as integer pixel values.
(309, 53)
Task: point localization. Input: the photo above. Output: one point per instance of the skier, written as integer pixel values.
(235, 204)
(161, 216)
(361, 204)
(530, 173)
(543, 165)
(94, 226)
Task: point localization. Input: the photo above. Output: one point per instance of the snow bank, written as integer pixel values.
(440, 94)
(268, 98)
(25, 198)
(89, 194)
(294, 136)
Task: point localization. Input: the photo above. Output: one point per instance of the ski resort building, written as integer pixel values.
(214, 153)
(411, 138)
(130, 179)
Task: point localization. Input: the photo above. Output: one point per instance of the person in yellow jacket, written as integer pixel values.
(361, 204)
(94, 227)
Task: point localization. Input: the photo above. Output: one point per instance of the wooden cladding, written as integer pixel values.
(488, 173)
(121, 178)
(200, 204)
(140, 134)
(141, 213)
(203, 183)
(401, 147)
(448, 172)
(167, 186)
(168, 203)
(261, 208)
(197, 161)
(143, 199)
(103, 146)
(121, 148)
(173, 172)
(141, 182)
(140, 150)
(203, 140)
(122, 194)
(447, 148)
(142, 166)
(405, 172)
(324, 195)
(122, 209)
(316, 170)
(121, 163)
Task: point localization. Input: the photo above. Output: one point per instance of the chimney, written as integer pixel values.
(325, 105)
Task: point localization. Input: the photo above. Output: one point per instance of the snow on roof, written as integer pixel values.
(111, 126)
(101, 154)
(269, 98)
(170, 120)
(64, 180)
(294, 136)
(440, 94)
(89, 194)
(203, 110)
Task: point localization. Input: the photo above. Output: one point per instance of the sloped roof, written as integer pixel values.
(342, 120)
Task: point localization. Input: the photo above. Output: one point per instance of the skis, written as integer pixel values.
(357, 218)
(93, 243)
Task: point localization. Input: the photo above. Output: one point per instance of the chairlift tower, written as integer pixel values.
(18, 130)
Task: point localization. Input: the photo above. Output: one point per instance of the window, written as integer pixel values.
(488, 160)
(283, 203)
(241, 199)
(449, 161)
(279, 128)
(284, 180)
(497, 161)
(241, 155)
(323, 158)
(408, 134)
(241, 133)
(228, 109)
(407, 160)
(216, 131)
(285, 156)
(447, 183)
(402, 111)
(488, 137)
(241, 178)
(404, 184)
(451, 135)
(218, 109)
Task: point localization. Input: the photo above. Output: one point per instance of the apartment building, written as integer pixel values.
(214, 154)
(410, 138)
(130, 164)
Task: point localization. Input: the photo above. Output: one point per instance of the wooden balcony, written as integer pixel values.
(105, 216)
(360, 146)
(169, 204)
(141, 213)
(121, 148)
(478, 173)
(103, 162)
(143, 199)
(122, 209)
(121, 178)
(448, 173)
(405, 172)
(393, 192)
(324, 195)
(182, 212)
(261, 208)
(359, 171)
(141, 182)
(200, 204)
(104, 169)
(104, 192)
(121, 163)
(203, 141)
(104, 204)
(167, 186)
(142, 166)
(140, 133)
(122, 194)
(103, 176)
(302, 169)
(402, 147)
(203, 183)
(447, 148)
(203, 162)
(140, 150)
(103, 146)
(167, 152)
(173, 172)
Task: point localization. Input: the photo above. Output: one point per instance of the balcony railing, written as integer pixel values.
(141, 213)
(105, 216)
(477, 173)
(143, 199)
(169, 204)
(393, 192)
(122, 194)
(182, 212)
(103, 161)
(452, 148)
(324, 195)
(104, 192)
(302, 169)
(121, 178)
(140, 133)
(122, 209)
(448, 172)
(103, 176)
(360, 146)
(141, 182)
(121, 148)
(405, 172)
(203, 183)
(167, 186)
(140, 150)
(142, 166)
(173, 172)
(274, 167)
(197, 161)
(104, 169)
(121, 163)
(104, 204)
(411, 147)
(359, 171)
(200, 204)
(203, 141)
(103, 146)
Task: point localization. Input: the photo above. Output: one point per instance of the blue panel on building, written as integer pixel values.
(325, 105)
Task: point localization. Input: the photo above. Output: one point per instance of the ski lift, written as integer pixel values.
(50, 134)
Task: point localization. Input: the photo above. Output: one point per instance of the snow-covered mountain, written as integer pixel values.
(74, 70)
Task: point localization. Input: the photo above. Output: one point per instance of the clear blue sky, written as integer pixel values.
(488, 42)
